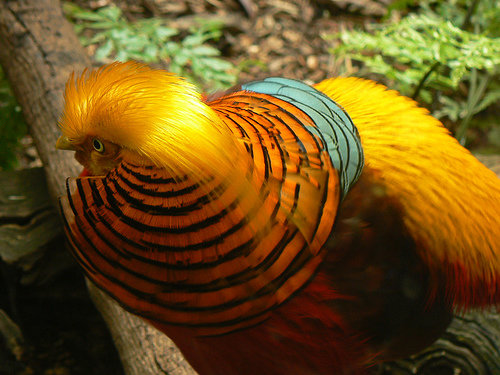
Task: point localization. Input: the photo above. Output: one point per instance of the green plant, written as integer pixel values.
(426, 55)
(150, 40)
(202, 58)
(12, 125)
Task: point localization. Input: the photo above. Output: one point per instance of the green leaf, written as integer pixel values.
(205, 50)
(168, 50)
(122, 55)
(163, 33)
(193, 40)
(217, 64)
(181, 58)
(88, 16)
(112, 12)
(135, 43)
(121, 35)
(103, 52)
(106, 24)
(489, 98)
(151, 53)
(97, 38)
(148, 40)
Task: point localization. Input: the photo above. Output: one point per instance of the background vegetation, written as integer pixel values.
(444, 54)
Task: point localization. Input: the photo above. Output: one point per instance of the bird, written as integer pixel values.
(277, 227)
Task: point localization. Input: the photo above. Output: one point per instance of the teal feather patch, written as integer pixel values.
(333, 125)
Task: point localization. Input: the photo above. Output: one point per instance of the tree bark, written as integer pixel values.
(470, 346)
(38, 51)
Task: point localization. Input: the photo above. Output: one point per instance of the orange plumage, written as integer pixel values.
(278, 228)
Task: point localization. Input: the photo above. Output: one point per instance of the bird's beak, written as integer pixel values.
(63, 143)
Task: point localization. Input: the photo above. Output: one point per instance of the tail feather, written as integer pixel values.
(451, 201)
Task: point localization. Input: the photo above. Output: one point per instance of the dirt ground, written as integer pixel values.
(284, 37)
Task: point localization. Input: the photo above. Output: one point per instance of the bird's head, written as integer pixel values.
(131, 112)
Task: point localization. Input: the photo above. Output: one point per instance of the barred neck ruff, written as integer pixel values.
(218, 251)
(184, 253)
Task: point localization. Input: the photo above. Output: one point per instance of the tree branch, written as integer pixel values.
(38, 51)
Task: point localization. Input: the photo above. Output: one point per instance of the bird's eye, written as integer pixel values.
(98, 145)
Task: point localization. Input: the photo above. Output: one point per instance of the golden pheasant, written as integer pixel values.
(277, 228)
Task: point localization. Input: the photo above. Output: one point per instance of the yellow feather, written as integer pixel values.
(158, 118)
(451, 201)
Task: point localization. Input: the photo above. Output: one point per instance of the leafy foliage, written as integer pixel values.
(150, 40)
(418, 42)
(452, 70)
(12, 125)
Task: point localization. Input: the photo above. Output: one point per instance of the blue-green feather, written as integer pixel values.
(333, 124)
